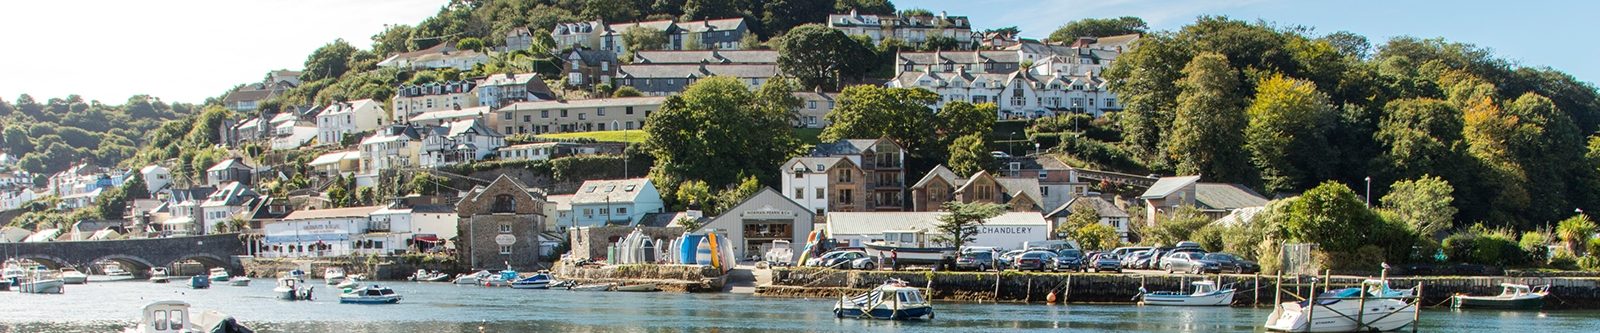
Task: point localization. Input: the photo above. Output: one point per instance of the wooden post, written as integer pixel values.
(1068, 295)
(1277, 294)
(1311, 309)
(1361, 309)
(997, 285)
(1327, 280)
(1027, 297)
(1417, 303)
(1255, 291)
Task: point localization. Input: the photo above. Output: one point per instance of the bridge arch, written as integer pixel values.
(209, 261)
(49, 261)
(138, 266)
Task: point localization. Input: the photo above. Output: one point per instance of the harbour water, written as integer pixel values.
(111, 307)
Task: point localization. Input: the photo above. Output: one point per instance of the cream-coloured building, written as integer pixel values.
(558, 116)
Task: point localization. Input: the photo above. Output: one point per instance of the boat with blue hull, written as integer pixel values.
(891, 301)
(537, 281)
(199, 282)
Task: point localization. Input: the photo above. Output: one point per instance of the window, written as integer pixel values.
(605, 65)
(574, 65)
(622, 210)
(819, 211)
(504, 203)
(507, 116)
(821, 193)
(605, 211)
(949, 67)
(544, 114)
(600, 112)
(628, 110)
(505, 227)
(799, 193)
(505, 249)
(588, 212)
(844, 196)
(811, 105)
(563, 113)
(527, 118)
(1044, 190)
(909, 67)
(844, 175)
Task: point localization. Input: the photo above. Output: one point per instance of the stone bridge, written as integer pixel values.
(135, 255)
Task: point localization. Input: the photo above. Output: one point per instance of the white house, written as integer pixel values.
(1018, 94)
(427, 224)
(1007, 231)
(340, 119)
(444, 55)
(227, 202)
(325, 233)
(391, 148)
(156, 178)
(539, 151)
(457, 142)
(914, 29)
(615, 202)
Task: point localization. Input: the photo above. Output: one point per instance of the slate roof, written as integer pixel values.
(1166, 185)
(869, 223)
(939, 171)
(809, 164)
(612, 190)
(584, 103)
(844, 147)
(1100, 205)
(459, 127)
(451, 114)
(958, 57)
(1227, 196)
(641, 71)
(713, 24)
(231, 163)
(339, 108)
(709, 57)
(1018, 186)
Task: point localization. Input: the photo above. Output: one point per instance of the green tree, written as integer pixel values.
(959, 225)
(135, 187)
(1423, 204)
(329, 61)
(778, 16)
(1421, 135)
(1176, 226)
(959, 118)
(111, 204)
(393, 39)
(611, 10)
(1287, 133)
(637, 39)
(425, 184)
(968, 155)
(736, 195)
(1098, 27)
(1096, 237)
(1326, 215)
(873, 7)
(901, 114)
(1574, 232)
(470, 43)
(1209, 127)
(626, 91)
(696, 193)
(812, 53)
(704, 134)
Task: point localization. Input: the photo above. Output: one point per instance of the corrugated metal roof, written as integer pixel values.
(1227, 196)
(1166, 185)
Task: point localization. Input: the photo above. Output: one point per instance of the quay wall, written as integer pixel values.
(386, 269)
(672, 278)
(1252, 290)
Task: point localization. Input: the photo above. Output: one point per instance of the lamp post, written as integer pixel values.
(1368, 198)
(1011, 141)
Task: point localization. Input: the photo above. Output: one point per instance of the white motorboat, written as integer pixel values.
(292, 289)
(159, 275)
(71, 275)
(239, 281)
(12, 272)
(592, 287)
(474, 278)
(370, 295)
(333, 275)
(426, 276)
(910, 247)
(780, 254)
(1335, 312)
(114, 272)
(893, 300)
(219, 274)
(40, 281)
(537, 281)
(298, 275)
(173, 317)
(1205, 293)
(347, 284)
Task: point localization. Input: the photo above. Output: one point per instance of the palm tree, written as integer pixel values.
(1574, 231)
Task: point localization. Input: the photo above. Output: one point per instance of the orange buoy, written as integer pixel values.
(1051, 298)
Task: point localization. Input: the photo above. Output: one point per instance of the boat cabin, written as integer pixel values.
(165, 316)
(907, 239)
(377, 291)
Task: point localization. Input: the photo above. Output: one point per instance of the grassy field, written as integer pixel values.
(633, 136)
(807, 135)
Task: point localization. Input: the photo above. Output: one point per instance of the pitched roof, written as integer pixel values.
(459, 127)
(1101, 206)
(231, 163)
(809, 164)
(618, 28)
(709, 57)
(696, 71)
(1036, 162)
(844, 147)
(451, 114)
(611, 190)
(869, 223)
(1166, 185)
(362, 211)
(1227, 196)
(712, 24)
(1020, 186)
(940, 172)
(335, 157)
(958, 57)
(340, 108)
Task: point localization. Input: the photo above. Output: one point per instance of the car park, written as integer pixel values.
(1189, 262)
(1035, 260)
(1069, 260)
(1231, 263)
(976, 260)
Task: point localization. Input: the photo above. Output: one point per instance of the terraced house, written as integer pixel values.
(720, 34)
(583, 115)
(912, 29)
(411, 100)
(858, 175)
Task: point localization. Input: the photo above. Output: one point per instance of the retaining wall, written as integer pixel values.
(675, 278)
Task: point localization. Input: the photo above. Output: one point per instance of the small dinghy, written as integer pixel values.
(333, 276)
(1205, 293)
(70, 275)
(891, 301)
(199, 282)
(639, 288)
(592, 287)
(370, 295)
(159, 275)
(1512, 296)
(219, 275)
(239, 282)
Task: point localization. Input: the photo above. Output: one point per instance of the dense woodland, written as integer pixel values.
(1455, 141)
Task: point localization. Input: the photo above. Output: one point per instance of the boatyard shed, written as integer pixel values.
(764, 217)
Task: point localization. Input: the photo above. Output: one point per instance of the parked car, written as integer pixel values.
(1147, 259)
(820, 259)
(1123, 252)
(864, 263)
(1069, 260)
(1189, 262)
(1106, 262)
(1232, 263)
(977, 260)
(842, 259)
(1035, 260)
(1008, 259)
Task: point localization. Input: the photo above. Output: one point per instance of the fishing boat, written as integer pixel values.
(41, 281)
(199, 282)
(1205, 293)
(219, 274)
(639, 288)
(893, 300)
(173, 317)
(1512, 296)
(12, 272)
(474, 278)
(504, 278)
(292, 289)
(591, 287)
(537, 281)
(333, 275)
(71, 275)
(298, 275)
(370, 295)
(239, 282)
(1332, 312)
(426, 276)
(159, 275)
(909, 247)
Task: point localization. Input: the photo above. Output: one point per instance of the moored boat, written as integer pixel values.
(537, 281)
(239, 282)
(370, 295)
(159, 275)
(893, 300)
(426, 276)
(639, 288)
(348, 284)
(199, 282)
(1205, 293)
(333, 275)
(292, 289)
(591, 287)
(1370, 309)
(219, 274)
(909, 247)
(41, 281)
(70, 275)
(12, 272)
(504, 278)
(114, 272)
(474, 278)
(174, 317)
(1512, 296)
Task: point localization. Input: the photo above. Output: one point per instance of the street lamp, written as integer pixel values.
(1011, 141)
(1368, 198)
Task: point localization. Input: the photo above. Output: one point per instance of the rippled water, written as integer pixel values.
(110, 306)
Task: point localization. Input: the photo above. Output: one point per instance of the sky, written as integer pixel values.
(188, 50)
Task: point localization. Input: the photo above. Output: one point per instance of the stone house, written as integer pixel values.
(500, 225)
(587, 67)
(934, 189)
(1018, 194)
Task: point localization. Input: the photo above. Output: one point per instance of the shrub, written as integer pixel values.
(1589, 263)
(1593, 247)
(1533, 244)
(1564, 260)
(1458, 247)
(1209, 237)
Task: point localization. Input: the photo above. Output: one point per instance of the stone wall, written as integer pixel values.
(591, 242)
(1580, 293)
(388, 268)
(675, 278)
